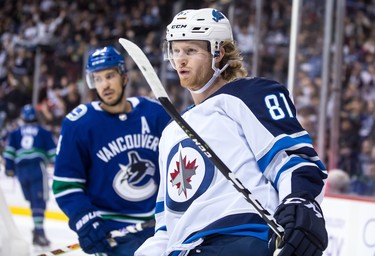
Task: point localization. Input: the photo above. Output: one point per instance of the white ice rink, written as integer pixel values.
(350, 223)
(57, 230)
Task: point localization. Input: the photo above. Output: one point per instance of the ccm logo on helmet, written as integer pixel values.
(179, 26)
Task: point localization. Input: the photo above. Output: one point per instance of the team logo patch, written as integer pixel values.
(77, 112)
(134, 182)
(189, 175)
(216, 15)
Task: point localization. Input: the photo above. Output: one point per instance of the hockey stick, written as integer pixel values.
(153, 80)
(113, 234)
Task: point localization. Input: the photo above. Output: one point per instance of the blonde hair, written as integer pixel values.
(235, 69)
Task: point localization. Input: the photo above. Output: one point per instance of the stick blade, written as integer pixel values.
(145, 66)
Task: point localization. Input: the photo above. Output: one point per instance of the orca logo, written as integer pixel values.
(134, 182)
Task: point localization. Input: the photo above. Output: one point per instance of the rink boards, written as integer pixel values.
(350, 220)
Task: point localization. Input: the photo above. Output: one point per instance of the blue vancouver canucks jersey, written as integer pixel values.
(29, 149)
(108, 162)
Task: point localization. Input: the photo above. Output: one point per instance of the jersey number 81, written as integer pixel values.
(274, 107)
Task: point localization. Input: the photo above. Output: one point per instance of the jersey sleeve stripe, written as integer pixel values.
(68, 191)
(284, 143)
(159, 207)
(66, 179)
(291, 166)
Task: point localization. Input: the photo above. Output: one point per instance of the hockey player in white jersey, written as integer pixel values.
(250, 123)
(106, 170)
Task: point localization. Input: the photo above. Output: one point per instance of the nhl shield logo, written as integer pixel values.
(189, 175)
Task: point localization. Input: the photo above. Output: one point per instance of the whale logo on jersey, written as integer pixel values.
(134, 182)
(189, 174)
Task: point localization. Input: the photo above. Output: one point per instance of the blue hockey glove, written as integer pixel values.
(304, 224)
(92, 233)
(10, 173)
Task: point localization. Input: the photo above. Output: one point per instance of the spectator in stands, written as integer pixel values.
(338, 182)
(243, 33)
(44, 34)
(371, 178)
(71, 97)
(29, 149)
(83, 27)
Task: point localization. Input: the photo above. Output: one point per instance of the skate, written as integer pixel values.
(40, 239)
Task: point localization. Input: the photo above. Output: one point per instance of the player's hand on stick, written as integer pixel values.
(303, 221)
(92, 232)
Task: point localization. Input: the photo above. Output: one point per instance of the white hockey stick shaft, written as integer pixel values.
(113, 234)
(156, 86)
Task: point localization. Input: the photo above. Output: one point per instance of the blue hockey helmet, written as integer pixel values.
(103, 58)
(28, 113)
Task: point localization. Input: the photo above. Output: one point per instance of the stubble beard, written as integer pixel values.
(114, 102)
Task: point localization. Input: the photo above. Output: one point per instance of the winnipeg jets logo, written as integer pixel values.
(189, 175)
(216, 15)
(181, 177)
(134, 182)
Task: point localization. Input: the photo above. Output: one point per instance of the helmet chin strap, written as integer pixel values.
(213, 78)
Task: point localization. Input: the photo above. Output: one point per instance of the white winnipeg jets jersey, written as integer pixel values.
(251, 125)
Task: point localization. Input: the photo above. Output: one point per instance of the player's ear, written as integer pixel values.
(125, 79)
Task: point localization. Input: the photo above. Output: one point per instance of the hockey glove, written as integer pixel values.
(303, 221)
(92, 233)
(10, 173)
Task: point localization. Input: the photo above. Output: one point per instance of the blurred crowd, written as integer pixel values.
(44, 44)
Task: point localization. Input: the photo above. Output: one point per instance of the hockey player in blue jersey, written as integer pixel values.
(250, 123)
(29, 150)
(106, 170)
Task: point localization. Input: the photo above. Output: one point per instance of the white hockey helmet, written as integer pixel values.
(205, 24)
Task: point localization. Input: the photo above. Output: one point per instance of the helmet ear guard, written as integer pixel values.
(101, 59)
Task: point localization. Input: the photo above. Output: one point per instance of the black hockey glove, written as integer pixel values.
(92, 233)
(303, 221)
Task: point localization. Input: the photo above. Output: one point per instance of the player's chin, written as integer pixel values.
(186, 84)
(110, 101)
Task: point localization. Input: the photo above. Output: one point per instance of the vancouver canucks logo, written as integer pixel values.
(217, 16)
(134, 182)
(189, 174)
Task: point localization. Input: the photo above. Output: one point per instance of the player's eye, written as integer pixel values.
(180, 52)
(175, 52)
(110, 75)
(98, 79)
(191, 51)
